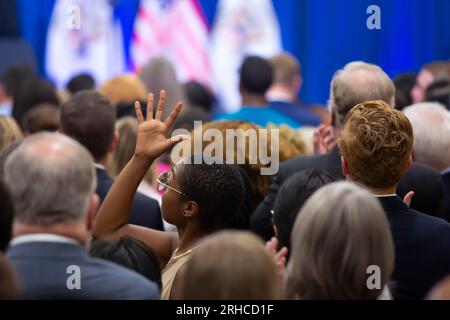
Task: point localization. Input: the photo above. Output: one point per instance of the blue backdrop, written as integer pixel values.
(323, 34)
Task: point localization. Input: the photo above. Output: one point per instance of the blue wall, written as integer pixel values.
(323, 34)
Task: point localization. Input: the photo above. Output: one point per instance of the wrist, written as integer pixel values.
(142, 161)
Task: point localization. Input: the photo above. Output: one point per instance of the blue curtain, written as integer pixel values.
(323, 34)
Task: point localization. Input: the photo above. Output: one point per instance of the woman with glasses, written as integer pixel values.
(198, 198)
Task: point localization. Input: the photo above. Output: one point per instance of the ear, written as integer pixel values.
(297, 84)
(410, 162)
(190, 209)
(94, 203)
(114, 142)
(344, 167)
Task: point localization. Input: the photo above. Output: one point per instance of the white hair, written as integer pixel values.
(51, 179)
(431, 128)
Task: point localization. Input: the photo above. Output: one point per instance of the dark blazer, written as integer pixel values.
(446, 195)
(423, 180)
(42, 269)
(422, 249)
(145, 211)
(298, 112)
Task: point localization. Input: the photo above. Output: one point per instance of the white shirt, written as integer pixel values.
(42, 237)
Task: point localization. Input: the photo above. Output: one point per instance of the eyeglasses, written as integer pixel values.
(163, 183)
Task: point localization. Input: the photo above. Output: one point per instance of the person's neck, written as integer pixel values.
(384, 192)
(102, 161)
(189, 237)
(254, 100)
(76, 231)
(280, 92)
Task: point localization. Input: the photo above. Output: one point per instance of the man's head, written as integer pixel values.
(376, 144)
(431, 125)
(80, 82)
(89, 118)
(355, 83)
(256, 76)
(431, 72)
(287, 73)
(51, 179)
(13, 77)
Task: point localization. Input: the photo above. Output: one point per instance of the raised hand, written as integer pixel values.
(323, 140)
(279, 257)
(152, 133)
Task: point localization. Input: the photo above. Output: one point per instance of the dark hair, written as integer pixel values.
(198, 95)
(439, 91)
(404, 83)
(15, 76)
(291, 197)
(43, 117)
(80, 82)
(216, 188)
(4, 154)
(130, 253)
(6, 217)
(89, 118)
(256, 75)
(33, 92)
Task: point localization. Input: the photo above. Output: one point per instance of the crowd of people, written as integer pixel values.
(93, 206)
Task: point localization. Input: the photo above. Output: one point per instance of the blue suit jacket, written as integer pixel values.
(145, 211)
(42, 269)
(422, 249)
(298, 112)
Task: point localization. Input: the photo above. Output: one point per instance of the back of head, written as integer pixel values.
(43, 117)
(14, 76)
(51, 179)
(404, 83)
(291, 197)
(81, 82)
(256, 75)
(355, 83)
(198, 95)
(6, 217)
(9, 131)
(130, 253)
(127, 130)
(376, 142)
(232, 266)
(431, 125)
(341, 231)
(124, 89)
(439, 91)
(439, 69)
(286, 69)
(89, 118)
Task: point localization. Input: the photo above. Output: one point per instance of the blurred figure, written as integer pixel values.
(53, 222)
(80, 82)
(43, 117)
(31, 93)
(229, 265)
(198, 95)
(439, 91)
(291, 197)
(130, 253)
(4, 154)
(256, 77)
(9, 284)
(9, 131)
(283, 92)
(6, 217)
(441, 291)
(376, 150)
(89, 118)
(334, 242)
(404, 83)
(10, 81)
(431, 72)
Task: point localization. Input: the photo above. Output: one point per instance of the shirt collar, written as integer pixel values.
(99, 166)
(42, 237)
(385, 195)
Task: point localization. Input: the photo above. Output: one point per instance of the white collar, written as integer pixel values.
(99, 166)
(445, 171)
(384, 195)
(42, 237)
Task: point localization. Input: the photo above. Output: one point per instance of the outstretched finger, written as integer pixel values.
(139, 116)
(161, 105)
(150, 106)
(173, 115)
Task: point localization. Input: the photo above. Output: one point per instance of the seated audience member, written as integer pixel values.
(441, 291)
(9, 131)
(9, 284)
(376, 147)
(198, 95)
(43, 117)
(291, 197)
(404, 83)
(80, 82)
(130, 253)
(52, 181)
(256, 76)
(199, 199)
(439, 91)
(31, 93)
(355, 83)
(89, 118)
(6, 217)
(282, 95)
(11, 80)
(229, 265)
(335, 242)
(431, 72)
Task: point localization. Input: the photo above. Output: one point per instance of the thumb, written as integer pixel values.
(408, 198)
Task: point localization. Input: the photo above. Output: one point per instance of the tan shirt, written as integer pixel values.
(170, 271)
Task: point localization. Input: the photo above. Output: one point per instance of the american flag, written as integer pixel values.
(177, 30)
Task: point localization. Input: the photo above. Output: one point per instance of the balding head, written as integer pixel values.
(51, 179)
(358, 82)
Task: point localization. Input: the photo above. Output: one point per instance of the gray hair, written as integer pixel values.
(431, 128)
(340, 232)
(51, 179)
(358, 82)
